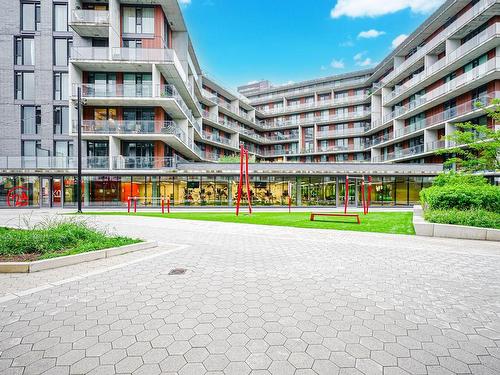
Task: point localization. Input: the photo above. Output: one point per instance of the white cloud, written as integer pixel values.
(374, 8)
(185, 2)
(398, 40)
(361, 60)
(372, 33)
(337, 64)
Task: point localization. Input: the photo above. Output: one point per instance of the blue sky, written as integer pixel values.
(239, 41)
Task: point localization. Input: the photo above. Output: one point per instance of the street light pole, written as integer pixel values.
(79, 141)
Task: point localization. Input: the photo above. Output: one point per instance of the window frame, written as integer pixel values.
(36, 16)
(38, 119)
(19, 87)
(19, 50)
(69, 44)
(58, 124)
(58, 88)
(54, 17)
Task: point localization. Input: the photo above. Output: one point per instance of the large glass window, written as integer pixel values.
(62, 47)
(61, 120)
(25, 51)
(24, 85)
(30, 16)
(138, 20)
(30, 119)
(18, 192)
(60, 17)
(60, 86)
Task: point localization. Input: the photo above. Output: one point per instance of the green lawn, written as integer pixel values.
(382, 222)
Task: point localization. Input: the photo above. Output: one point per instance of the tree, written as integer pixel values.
(476, 147)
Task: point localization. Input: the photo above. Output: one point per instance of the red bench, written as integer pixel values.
(313, 214)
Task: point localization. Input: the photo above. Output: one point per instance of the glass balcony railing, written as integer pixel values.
(465, 18)
(134, 162)
(315, 104)
(90, 16)
(401, 153)
(52, 162)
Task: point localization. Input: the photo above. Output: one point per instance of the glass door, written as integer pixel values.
(57, 193)
(46, 192)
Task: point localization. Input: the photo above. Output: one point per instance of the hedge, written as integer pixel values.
(461, 197)
(474, 218)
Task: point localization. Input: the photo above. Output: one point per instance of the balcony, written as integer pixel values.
(121, 59)
(463, 83)
(90, 23)
(479, 43)
(217, 139)
(436, 145)
(400, 154)
(133, 162)
(337, 148)
(51, 162)
(315, 119)
(320, 87)
(340, 133)
(464, 19)
(315, 105)
(145, 94)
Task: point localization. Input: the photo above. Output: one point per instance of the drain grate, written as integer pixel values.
(177, 271)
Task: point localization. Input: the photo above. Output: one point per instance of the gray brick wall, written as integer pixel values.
(10, 109)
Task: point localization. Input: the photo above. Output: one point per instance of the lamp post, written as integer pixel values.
(79, 141)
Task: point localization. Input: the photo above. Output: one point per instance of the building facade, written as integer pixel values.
(147, 112)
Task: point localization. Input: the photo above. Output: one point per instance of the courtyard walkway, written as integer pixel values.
(257, 300)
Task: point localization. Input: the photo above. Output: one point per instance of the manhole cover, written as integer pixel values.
(177, 271)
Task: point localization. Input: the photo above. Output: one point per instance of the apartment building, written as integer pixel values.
(153, 125)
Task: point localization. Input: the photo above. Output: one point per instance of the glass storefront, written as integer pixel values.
(186, 191)
(19, 191)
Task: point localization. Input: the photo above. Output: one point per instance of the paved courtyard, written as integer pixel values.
(258, 300)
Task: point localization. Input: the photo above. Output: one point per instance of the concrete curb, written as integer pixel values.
(46, 264)
(424, 228)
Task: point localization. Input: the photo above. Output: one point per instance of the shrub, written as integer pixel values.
(474, 218)
(453, 178)
(51, 238)
(462, 197)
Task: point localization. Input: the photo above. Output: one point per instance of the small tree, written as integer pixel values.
(477, 147)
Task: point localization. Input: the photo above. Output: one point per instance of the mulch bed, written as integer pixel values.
(19, 258)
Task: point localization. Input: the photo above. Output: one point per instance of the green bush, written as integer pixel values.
(453, 178)
(473, 218)
(55, 239)
(462, 197)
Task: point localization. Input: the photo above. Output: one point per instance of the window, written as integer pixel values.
(24, 85)
(30, 16)
(63, 148)
(30, 119)
(61, 120)
(31, 148)
(62, 48)
(138, 20)
(60, 17)
(60, 86)
(132, 43)
(100, 42)
(24, 51)
(475, 63)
